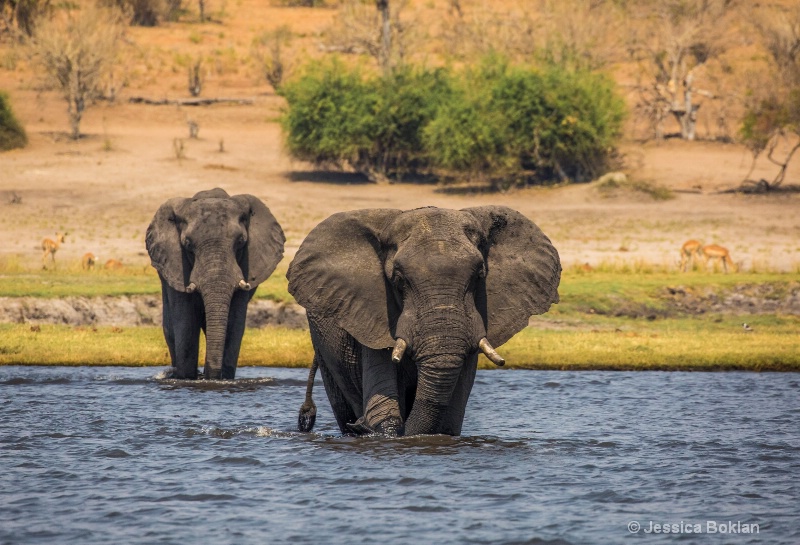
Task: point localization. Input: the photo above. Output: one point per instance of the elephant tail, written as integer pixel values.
(308, 410)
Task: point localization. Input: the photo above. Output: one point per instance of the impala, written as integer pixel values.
(88, 260)
(713, 251)
(690, 251)
(113, 264)
(50, 247)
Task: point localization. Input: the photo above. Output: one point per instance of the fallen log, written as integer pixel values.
(189, 101)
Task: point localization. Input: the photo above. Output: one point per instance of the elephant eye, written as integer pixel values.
(398, 280)
(188, 244)
(241, 241)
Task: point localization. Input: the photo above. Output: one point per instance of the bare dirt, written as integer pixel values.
(104, 188)
(106, 198)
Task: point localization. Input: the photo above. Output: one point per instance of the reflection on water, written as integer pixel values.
(110, 455)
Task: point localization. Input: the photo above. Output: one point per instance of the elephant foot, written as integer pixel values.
(307, 417)
(360, 427)
(390, 427)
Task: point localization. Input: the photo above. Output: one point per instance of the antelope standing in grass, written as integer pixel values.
(88, 260)
(113, 264)
(50, 247)
(690, 252)
(713, 251)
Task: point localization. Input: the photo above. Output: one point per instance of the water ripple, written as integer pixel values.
(115, 455)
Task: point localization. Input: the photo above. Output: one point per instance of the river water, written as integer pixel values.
(117, 455)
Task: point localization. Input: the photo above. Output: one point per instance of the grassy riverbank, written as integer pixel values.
(690, 344)
(607, 319)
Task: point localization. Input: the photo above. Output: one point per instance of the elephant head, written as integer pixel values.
(434, 285)
(214, 244)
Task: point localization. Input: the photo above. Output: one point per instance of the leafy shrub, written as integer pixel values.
(523, 124)
(499, 122)
(12, 135)
(330, 118)
(338, 118)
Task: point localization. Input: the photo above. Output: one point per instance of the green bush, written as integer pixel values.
(497, 121)
(522, 124)
(12, 135)
(330, 116)
(336, 117)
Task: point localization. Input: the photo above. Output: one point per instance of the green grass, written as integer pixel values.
(674, 344)
(22, 344)
(74, 282)
(681, 344)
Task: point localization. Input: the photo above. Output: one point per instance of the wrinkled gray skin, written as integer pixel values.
(440, 280)
(211, 251)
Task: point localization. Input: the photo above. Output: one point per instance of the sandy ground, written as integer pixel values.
(104, 189)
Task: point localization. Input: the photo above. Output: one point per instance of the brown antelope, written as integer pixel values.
(50, 247)
(113, 264)
(88, 260)
(690, 252)
(713, 251)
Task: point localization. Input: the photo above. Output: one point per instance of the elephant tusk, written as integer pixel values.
(191, 287)
(244, 285)
(399, 349)
(491, 353)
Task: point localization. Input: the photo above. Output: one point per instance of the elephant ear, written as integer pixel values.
(337, 274)
(264, 240)
(163, 241)
(523, 272)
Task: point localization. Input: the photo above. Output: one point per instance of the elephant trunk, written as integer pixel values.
(444, 341)
(217, 285)
(217, 306)
(436, 382)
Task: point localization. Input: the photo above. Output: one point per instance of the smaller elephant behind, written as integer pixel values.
(211, 251)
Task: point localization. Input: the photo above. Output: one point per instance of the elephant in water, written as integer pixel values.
(211, 251)
(399, 304)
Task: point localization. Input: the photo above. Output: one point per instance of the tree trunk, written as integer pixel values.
(76, 104)
(386, 35)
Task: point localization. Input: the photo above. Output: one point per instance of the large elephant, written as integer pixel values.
(211, 251)
(399, 304)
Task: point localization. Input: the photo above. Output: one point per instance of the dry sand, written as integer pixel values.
(106, 198)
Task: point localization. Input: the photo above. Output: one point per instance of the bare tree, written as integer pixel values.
(772, 120)
(569, 33)
(380, 33)
(268, 52)
(674, 41)
(23, 14)
(76, 50)
(195, 84)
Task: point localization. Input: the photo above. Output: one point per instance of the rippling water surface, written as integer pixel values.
(113, 455)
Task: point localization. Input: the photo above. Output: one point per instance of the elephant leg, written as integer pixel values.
(454, 416)
(338, 356)
(381, 399)
(237, 318)
(341, 407)
(166, 322)
(182, 318)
